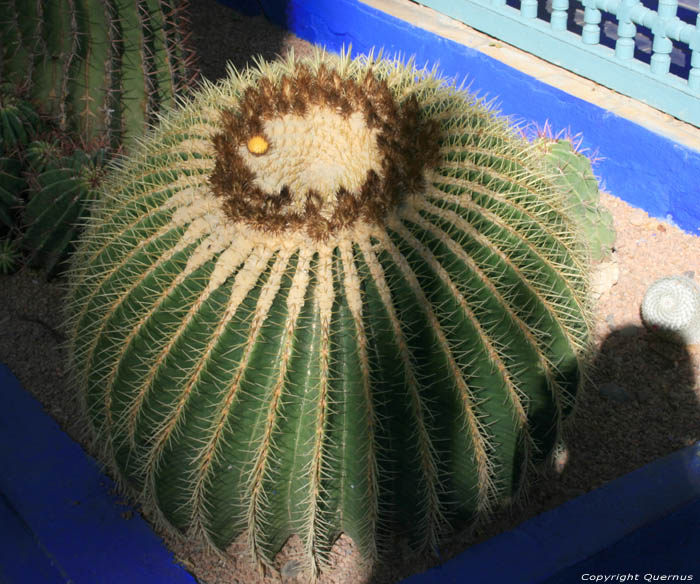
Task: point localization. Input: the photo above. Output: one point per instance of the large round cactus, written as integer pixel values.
(328, 296)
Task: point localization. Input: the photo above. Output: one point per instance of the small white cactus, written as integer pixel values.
(671, 306)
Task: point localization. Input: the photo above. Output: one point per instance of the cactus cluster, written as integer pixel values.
(46, 185)
(103, 68)
(57, 208)
(572, 172)
(328, 296)
(19, 123)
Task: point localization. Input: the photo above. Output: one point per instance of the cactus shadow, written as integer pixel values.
(233, 32)
(641, 402)
(639, 405)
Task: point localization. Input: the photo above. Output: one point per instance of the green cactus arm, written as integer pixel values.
(9, 32)
(104, 68)
(19, 123)
(66, 53)
(41, 78)
(151, 44)
(18, 33)
(12, 129)
(113, 75)
(181, 54)
(135, 68)
(76, 50)
(89, 83)
(48, 78)
(175, 47)
(52, 212)
(163, 69)
(572, 171)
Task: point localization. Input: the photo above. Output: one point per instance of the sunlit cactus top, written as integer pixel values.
(328, 296)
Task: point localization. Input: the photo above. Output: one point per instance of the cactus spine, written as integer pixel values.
(328, 296)
(104, 68)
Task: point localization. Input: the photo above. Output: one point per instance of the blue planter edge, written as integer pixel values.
(62, 520)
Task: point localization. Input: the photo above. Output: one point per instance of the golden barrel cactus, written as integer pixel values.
(328, 296)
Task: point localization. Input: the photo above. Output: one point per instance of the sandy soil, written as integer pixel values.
(643, 401)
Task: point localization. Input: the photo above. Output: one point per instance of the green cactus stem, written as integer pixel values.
(58, 207)
(103, 68)
(572, 171)
(328, 296)
(19, 122)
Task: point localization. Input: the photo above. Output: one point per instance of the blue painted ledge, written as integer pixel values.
(60, 522)
(642, 168)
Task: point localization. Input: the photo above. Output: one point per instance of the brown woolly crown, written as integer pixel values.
(402, 143)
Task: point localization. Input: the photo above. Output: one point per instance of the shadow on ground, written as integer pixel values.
(641, 399)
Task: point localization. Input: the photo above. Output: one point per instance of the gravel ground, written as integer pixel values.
(642, 403)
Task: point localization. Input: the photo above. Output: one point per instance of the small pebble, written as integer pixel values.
(561, 458)
(610, 319)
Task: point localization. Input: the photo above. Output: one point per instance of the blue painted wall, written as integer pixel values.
(59, 519)
(643, 168)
